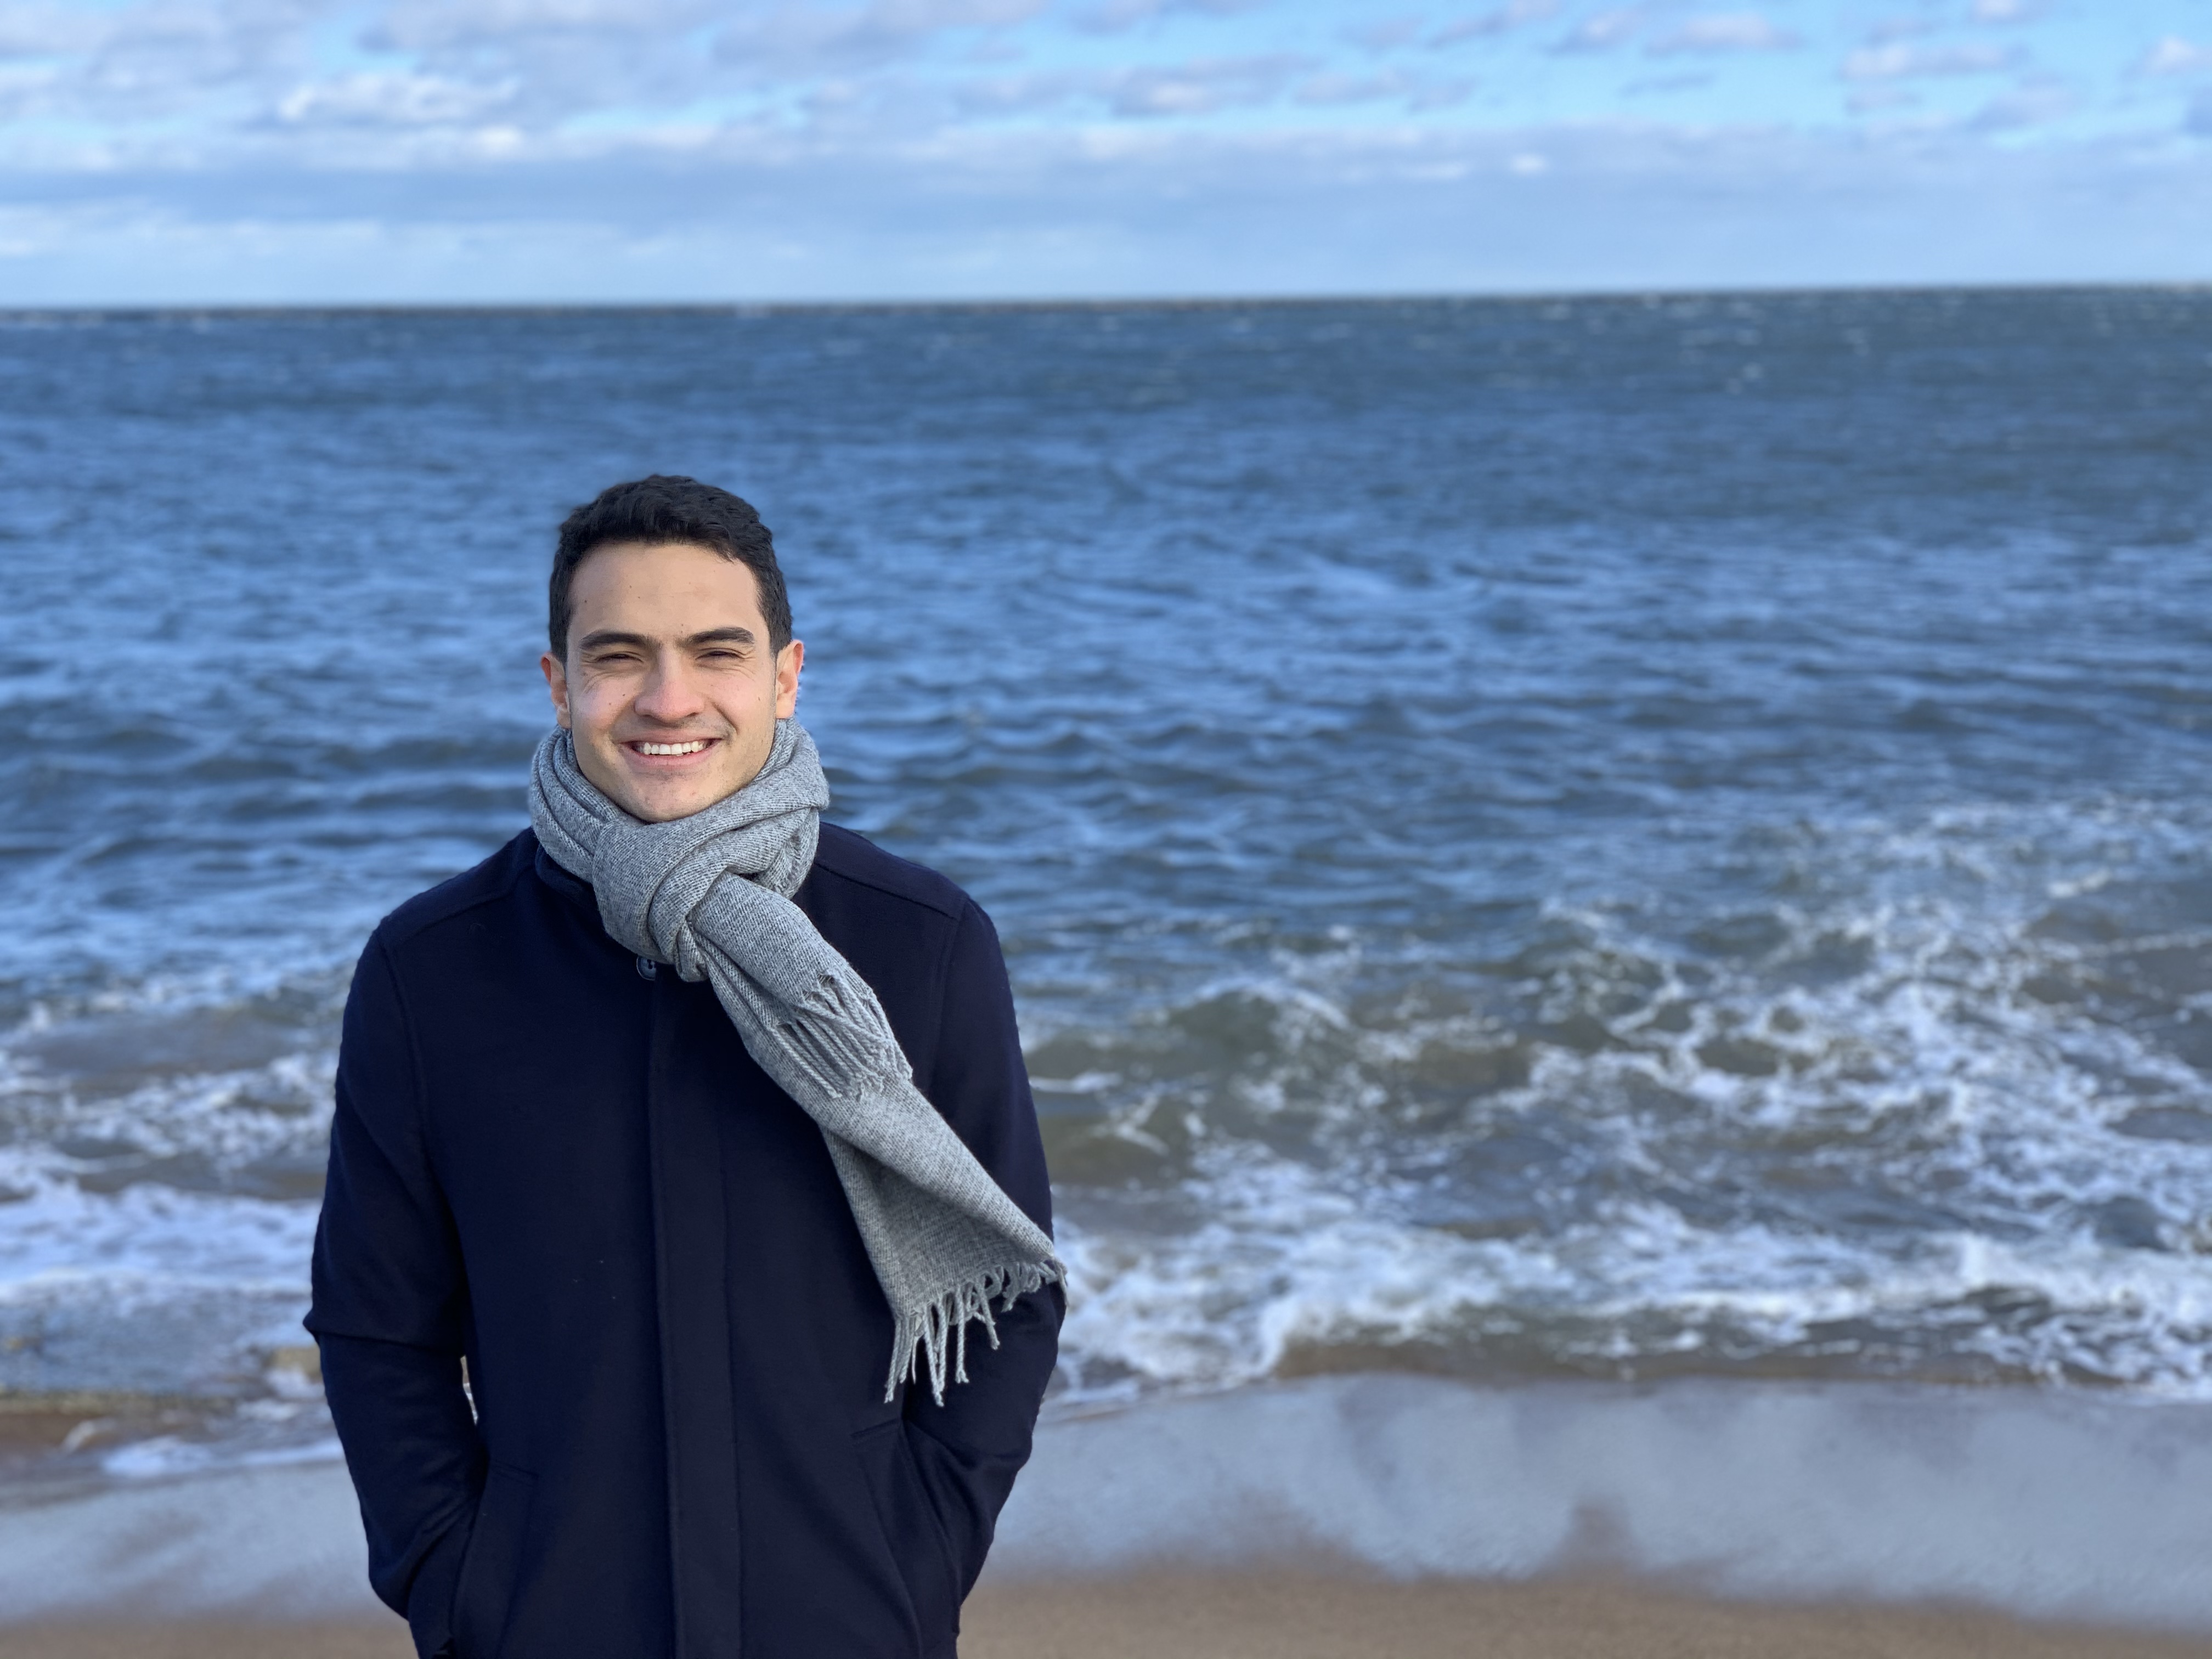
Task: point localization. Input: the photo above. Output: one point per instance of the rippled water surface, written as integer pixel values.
(1609, 837)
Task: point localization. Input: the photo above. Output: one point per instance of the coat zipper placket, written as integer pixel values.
(691, 1244)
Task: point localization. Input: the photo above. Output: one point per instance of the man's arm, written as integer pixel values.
(970, 1448)
(390, 1307)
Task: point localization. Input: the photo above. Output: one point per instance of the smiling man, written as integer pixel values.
(698, 1128)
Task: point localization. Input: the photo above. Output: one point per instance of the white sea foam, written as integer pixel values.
(118, 1200)
(1950, 1069)
(148, 1289)
(1289, 1264)
(1312, 1135)
(145, 1240)
(166, 1456)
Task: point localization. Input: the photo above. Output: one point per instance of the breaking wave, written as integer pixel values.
(1939, 1111)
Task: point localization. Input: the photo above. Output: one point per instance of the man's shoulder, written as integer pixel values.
(850, 859)
(488, 883)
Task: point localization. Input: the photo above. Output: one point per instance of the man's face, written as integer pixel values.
(670, 686)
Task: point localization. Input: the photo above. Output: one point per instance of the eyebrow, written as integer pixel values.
(602, 638)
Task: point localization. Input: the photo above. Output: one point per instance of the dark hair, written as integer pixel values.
(658, 511)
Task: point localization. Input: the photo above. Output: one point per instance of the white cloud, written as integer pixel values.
(1386, 33)
(1603, 31)
(1021, 94)
(1149, 208)
(154, 61)
(227, 69)
(500, 29)
(1898, 28)
(768, 43)
(1203, 86)
(2008, 11)
(1867, 100)
(560, 58)
(1112, 17)
(1495, 20)
(43, 31)
(2175, 56)
(1898, 61)
(1687, 80)
(390, 101)
(1738, 31)
(1200, 87)
(2025, 106)
(1416, 92)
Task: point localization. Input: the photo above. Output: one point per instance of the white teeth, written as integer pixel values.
(691, 748)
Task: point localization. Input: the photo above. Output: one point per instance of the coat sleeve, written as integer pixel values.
(970, 1448)
(389, 1313)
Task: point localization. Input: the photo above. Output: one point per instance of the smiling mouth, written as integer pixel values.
(688, 746)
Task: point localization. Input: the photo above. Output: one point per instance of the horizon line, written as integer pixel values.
(1074, 303)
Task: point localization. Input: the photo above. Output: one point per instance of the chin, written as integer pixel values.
(658, 806)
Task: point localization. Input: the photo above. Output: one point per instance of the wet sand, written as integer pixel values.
(35, 1429)
(1278, 1617)
(1287, 1616)
(1341, 1518)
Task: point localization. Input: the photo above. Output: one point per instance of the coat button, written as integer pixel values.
(647, 968)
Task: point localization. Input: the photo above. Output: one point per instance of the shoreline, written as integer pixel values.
(1285, 1616)
(1377, 1491)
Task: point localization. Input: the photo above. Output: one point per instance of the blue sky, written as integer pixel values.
(185, 151)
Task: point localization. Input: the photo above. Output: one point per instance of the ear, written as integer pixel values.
(556, 682)
(788, 662)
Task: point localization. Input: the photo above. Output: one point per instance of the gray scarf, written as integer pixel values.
(710, 894)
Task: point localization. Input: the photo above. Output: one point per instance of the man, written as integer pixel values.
(682, 1119)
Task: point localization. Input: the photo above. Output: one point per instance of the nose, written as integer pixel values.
(668, 695)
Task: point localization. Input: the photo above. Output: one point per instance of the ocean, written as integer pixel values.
(1596, 839)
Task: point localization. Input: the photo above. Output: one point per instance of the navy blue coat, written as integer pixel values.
(560, 1162)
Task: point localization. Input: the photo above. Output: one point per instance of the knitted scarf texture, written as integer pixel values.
(710, 894)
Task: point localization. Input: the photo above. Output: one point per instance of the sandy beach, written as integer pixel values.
(1273, 1616)
(1280, 1616)
(1392, 1516)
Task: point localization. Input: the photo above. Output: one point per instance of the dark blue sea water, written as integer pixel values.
(1606, 837)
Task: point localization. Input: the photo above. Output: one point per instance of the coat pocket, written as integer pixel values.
(485, 1592)
(919, 1546)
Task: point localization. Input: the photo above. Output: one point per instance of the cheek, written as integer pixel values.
(743, 705)
(593, 705)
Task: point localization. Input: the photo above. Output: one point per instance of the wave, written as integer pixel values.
(1938, 1107)
(1925, 1099)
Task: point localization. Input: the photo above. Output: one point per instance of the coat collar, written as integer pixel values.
(576, 892)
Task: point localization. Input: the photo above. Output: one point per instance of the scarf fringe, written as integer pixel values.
(935, 1335)
(836, 1041)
